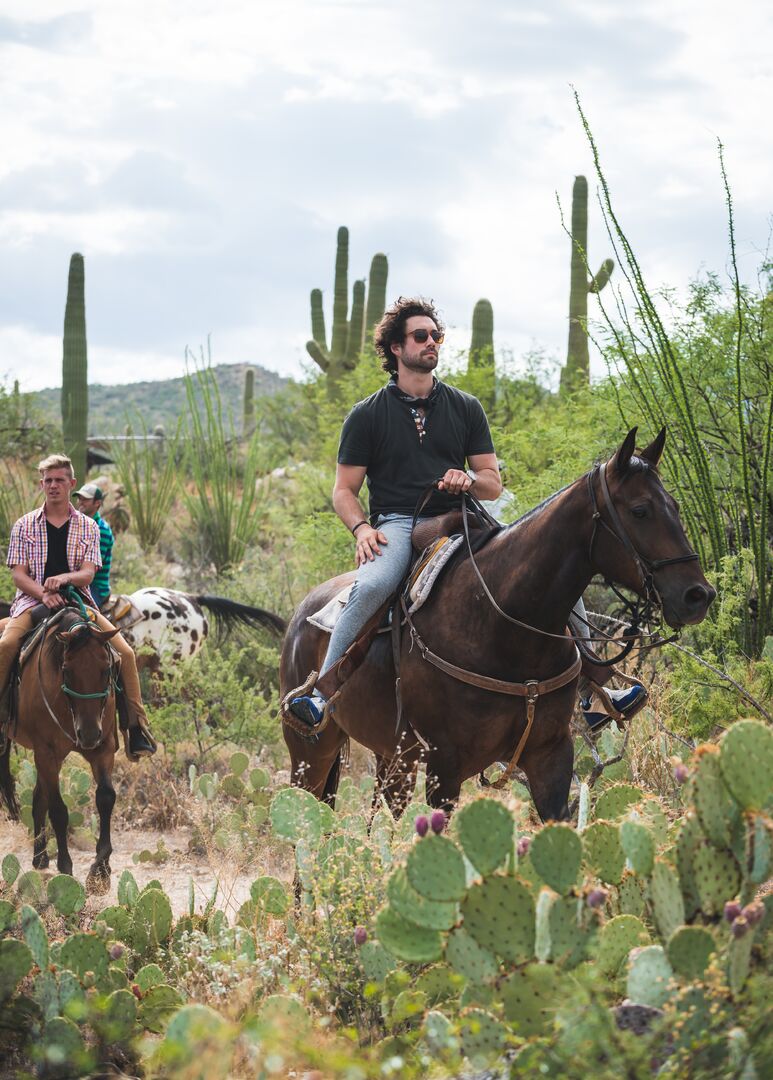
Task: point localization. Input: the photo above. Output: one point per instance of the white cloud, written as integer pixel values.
(202, 156)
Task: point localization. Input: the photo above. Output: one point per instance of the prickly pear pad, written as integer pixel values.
(406, 941)
(485, 830)
(603, 852)
(530, 997)
(746, 760)
(556, 854)
(616, 939)
(716, 876)
(650, 977)
(638, 846)
(470, 959)
(666, 899)
(483, 1036)
(499, 913)
(436, 869)
(411, 905)
(689, 950)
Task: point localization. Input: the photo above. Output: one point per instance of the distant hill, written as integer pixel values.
(159, 402)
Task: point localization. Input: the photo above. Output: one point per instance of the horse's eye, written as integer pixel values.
(639, 511)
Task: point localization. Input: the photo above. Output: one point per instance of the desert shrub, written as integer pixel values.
(217, 700)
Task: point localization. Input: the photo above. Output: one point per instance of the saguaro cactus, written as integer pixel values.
(577, 369)
(75, 387)
(482, 350)
(249, 402)
(348, 333)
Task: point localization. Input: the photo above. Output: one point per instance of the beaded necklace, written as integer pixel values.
(420, 420)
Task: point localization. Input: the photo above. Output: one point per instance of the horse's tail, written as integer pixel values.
(232, 612)
(7, 782)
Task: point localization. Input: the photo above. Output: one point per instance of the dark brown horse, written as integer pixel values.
(617, 521)
(66, 702)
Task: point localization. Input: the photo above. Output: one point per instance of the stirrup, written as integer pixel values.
(610, 708)
(308, 733)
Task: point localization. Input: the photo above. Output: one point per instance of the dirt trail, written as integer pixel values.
(174, 874)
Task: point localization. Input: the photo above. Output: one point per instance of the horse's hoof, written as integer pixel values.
(40, 862)
(98, 881)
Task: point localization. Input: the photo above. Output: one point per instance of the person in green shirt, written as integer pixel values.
(90, 498)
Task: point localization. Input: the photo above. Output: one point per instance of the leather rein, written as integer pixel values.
(533, 689)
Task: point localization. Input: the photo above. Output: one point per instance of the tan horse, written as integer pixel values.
(66, 702)
(617, 521)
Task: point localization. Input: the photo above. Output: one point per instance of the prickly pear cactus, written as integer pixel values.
(66, 894)
(689, 950)
(717, 877)
(556, 854)
(666, 899)
(638, 846)
(650, 977)
(603, 851)
(34, 934)
(85, 955)
(746, 761)
(151, 920)
(435, 869)
(11, 868)
(411, 905)
(616, 940)
(469, 959)
(499, 914)
(485, 831)
(482, 1035)
(407, 941)
(713, 803)
(16, 961)
(615, 801)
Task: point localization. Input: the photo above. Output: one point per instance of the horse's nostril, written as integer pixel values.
(699, 596)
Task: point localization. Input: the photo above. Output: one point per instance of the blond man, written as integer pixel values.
(50, 548)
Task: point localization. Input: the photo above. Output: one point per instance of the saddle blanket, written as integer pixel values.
(424, 574)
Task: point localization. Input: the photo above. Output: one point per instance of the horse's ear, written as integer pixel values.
(625, 453)
(105, 635)
(653, 452)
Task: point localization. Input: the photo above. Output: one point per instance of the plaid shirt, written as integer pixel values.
(28, 547)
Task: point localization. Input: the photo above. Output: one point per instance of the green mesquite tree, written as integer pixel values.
(348, 333)
(75, 388)
(482, 351)
(577, 369)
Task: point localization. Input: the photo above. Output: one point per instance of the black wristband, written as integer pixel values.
(356, 527)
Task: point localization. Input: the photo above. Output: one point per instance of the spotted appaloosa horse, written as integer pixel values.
(165, 624)
(171, 625)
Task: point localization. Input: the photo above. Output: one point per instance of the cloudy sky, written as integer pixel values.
(201, 156)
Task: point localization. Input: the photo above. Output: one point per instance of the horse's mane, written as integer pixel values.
(635, 465)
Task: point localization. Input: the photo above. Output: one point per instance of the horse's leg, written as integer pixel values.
(396, 779)
(549, 771)
(47, 799)
(444, 782)
(98, 879)
(316, 766)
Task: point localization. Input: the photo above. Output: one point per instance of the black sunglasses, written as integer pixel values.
(420, 336)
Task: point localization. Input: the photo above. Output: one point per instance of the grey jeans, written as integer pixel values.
(374, 584)
(377, 580)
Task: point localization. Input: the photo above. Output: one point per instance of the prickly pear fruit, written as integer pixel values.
(421, 824)
(438, 821)
(732, 910)
(360, 936)
(523, 845)
(596, 898)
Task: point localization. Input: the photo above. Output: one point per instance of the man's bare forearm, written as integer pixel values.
(348, 507)
(25, 583)
(487, 485)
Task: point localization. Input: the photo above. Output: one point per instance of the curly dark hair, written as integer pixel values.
(391, 330)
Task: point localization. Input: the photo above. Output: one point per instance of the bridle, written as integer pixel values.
(110, 687)
(640, 610)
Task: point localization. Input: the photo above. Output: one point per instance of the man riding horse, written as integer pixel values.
(51, 548)
(401, 439)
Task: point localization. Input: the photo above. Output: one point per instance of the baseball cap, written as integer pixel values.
(90, 491)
